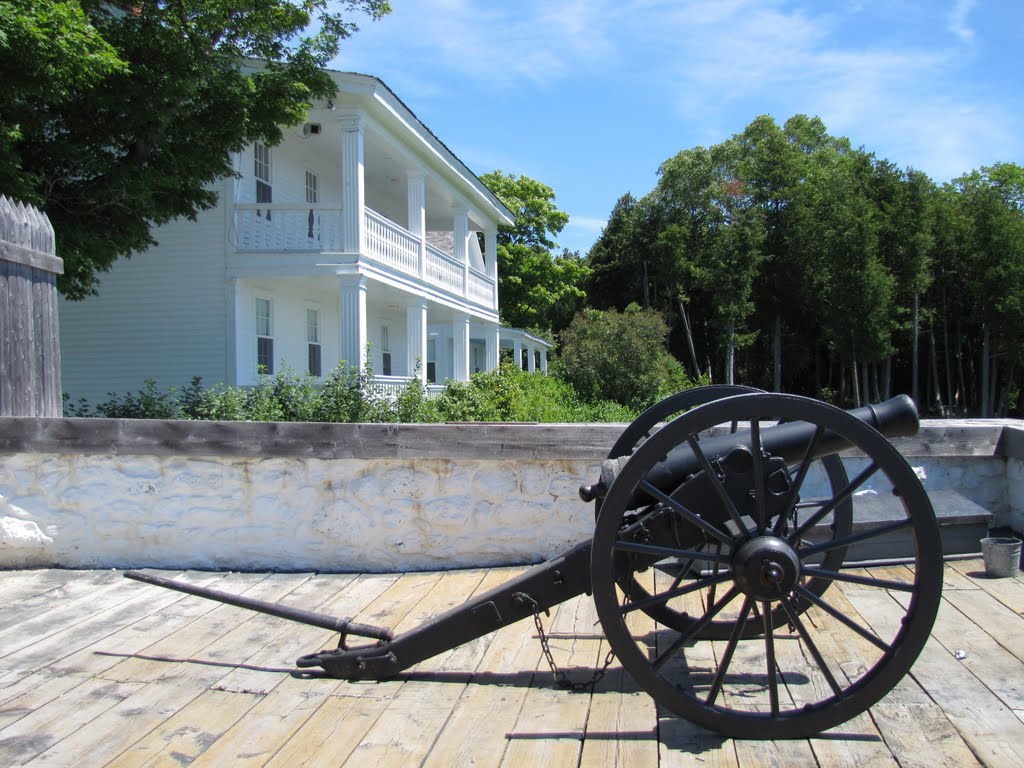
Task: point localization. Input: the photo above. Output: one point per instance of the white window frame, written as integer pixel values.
(263, 174)
(385, 350)
(314, 339)
(259, 329)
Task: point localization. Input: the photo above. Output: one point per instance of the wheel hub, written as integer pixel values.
(766, 568)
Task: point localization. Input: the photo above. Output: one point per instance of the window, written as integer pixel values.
(312, 197)
(264, 191)
(313, 342)
(431, 364)
(264, 336)
(385, 349)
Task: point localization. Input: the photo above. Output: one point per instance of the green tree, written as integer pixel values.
(536, 289)
(116, 117)
(608, 355)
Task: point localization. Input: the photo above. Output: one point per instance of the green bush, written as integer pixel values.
(349, 395)
(620, 357)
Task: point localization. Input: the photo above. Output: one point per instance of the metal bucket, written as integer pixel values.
(1001, 555)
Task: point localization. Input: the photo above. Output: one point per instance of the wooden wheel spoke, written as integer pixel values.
(686, 514)
(664, 597)
(804, 468)
(852, 578)
(716, 483)
(730, 649)
(654, 549)
(845, 620)
(846, 541)
(695, 628)
(769, 658)
(836, 500)
(794, 619)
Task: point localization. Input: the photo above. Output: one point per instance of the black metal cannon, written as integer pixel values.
(710, 559)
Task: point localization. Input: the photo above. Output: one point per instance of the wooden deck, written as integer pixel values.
(96, 670)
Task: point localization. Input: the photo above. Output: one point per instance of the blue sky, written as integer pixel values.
(591, 96)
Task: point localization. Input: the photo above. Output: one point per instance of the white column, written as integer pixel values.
(238, 321)
(544, 360)
(460, 357)
(352, 311)
(492, 342)
(517, 353)
(461, 231)
(531, 358)
(353, 184)
(416, 333)
(491, 260)
(416, 182)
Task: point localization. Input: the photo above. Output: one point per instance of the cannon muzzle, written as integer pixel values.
(894, 418)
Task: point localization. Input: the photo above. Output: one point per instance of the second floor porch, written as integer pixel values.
(435, 258)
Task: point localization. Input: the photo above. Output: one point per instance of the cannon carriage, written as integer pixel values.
(722, 517)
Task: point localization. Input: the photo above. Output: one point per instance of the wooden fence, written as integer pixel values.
(29, 334)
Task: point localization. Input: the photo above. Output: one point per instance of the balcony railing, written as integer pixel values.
(286, 227)
(280, 227)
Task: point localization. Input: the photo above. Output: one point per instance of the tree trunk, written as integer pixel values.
(935, 375)
(984, 371)
(864, 375)
(689, 340)
(842, 384)
(856, 385)
(947, 358)
(777, 354)
(961, 382)
(730, 352)
(874, 384)
(915, 374)
(887, 378)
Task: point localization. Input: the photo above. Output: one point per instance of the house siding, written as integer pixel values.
(160, 314)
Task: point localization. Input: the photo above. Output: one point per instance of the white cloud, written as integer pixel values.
(957, 20)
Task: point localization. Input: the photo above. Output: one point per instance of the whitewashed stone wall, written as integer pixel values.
(104, 493)
(287, 513)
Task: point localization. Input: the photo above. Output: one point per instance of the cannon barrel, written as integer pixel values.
(893, 418)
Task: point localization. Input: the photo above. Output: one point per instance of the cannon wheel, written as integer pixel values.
(640, 430)
(830, 663)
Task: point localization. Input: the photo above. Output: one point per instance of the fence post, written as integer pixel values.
(29, 333)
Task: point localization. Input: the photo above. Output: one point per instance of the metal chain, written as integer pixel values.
(561, 679)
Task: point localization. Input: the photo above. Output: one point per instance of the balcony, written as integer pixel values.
(289, 228)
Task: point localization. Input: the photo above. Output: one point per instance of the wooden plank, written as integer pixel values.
(191, 730)
(54, 680)
(1009, 591)
(489, 705)
(256, 738)
(999, 667)
(622, 728)
(145, 709)
(19, 585)
(994, 734)
(407, 727)
(914, 728)
(56, 607)
(552, 722)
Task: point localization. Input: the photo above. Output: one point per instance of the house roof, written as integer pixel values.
(358, 82)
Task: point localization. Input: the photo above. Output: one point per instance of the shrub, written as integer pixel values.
(607, 355)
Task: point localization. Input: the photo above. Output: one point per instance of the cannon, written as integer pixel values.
(723, 515)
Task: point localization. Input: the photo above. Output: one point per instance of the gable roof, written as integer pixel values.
(381, 95)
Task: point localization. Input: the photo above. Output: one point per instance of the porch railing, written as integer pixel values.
(269, 227)
(285, 227)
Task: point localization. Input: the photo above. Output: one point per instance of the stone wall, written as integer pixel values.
(91, 493)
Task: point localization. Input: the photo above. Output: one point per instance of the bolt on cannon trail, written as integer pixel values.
(724, 517)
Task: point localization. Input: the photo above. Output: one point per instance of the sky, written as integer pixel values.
(591, 96)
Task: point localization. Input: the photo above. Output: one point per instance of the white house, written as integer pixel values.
(361, 233)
